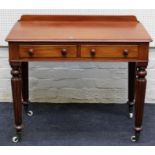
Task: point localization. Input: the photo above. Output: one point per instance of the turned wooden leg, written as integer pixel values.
(25, 85)
(17, 100)
(140, 98)
(25, 88)
(131, 86)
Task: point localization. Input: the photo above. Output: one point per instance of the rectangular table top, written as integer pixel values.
(55, 28)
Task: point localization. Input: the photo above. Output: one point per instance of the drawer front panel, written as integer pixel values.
(109, 51)
(47, 51)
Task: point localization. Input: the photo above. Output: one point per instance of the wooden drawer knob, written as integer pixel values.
(64, 52)
(30, 52)
(125, 53)
(93, 52)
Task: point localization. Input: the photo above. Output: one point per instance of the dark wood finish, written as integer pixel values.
(79, 38)
(140, 95)
(25, 83)
(16, 93)
(131, 85)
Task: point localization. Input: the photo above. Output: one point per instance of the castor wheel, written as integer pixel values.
(29, 113)
(15, 139)
(130, 115)
(26, 109)
(130, 108)
(134, 139)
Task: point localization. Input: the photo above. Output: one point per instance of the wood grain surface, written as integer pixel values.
(78, 29)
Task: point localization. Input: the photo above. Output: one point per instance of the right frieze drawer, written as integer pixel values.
(109, 51)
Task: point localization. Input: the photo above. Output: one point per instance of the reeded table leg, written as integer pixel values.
(17, 100)
(131, 86)
(25, 88)
(140, 98)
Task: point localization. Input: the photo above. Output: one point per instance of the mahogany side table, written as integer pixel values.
(79, 38)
